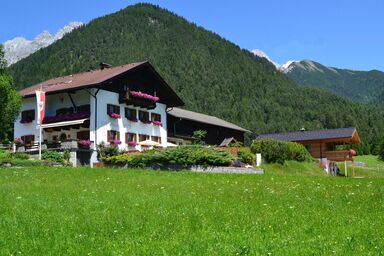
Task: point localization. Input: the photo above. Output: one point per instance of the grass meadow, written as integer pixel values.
(81, 211)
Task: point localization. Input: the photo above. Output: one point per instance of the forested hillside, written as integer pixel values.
(211, 74)
(359, 86)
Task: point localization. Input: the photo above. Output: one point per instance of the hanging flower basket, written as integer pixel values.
(157, 123)
(114, 116)
(144, 96)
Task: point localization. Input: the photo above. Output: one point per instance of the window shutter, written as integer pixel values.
(118, 135)
(108, 136)
(126, 138)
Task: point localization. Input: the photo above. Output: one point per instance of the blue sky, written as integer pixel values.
(346, 34)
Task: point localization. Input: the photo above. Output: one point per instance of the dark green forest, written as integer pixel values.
(211, 74)
(359, 86)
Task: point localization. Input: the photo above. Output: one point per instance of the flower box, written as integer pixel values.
(68, 117)
(145, 121)
(132, 143)
(157, 123)
(115, 142)
(114, 115)
(144, 96)
(18, 141)
(133, 120)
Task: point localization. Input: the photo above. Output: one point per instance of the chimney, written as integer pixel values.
(104, 65)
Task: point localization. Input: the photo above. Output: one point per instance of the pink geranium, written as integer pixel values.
(115, 142)
(18, 141)
(144, 96)
(157, 123)
(85, 142)
(132, 143)
(114, 116)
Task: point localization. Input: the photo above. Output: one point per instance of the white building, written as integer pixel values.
(123, 105)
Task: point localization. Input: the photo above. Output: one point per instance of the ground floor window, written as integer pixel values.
(130, 137)
(27, 116)
(28, 139)
(83, 135)
(113, 137)
(156, 139)
(143, 137)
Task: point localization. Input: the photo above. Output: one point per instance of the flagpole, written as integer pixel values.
(40, 134)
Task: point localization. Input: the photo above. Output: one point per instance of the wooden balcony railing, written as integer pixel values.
(339, 156)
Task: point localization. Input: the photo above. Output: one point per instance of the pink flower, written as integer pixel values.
(144, 96)
(115, 142)
(132, 143)
(157, 123)
(114, 116)
(85, 142)
(18, 141)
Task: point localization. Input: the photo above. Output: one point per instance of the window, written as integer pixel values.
(130, 137)
(144, 116)
(113, 109)
(113, 135)
(156, 117)
(83, 135)
(84, 108)
(131, 114)
(156, 139)
(64, 111)
(27, 116)
(28, 139)
(143, 137)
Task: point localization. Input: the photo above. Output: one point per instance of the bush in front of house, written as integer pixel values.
(52, 156)
(275, 151)
(381, 150)
(183, 156)
(246, 156)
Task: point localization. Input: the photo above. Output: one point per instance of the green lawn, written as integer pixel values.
(82, 211)
(373, 167)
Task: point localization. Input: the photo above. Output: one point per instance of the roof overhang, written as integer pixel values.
(65, 123)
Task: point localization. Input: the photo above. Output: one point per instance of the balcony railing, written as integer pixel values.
(142, 102)
(339, 156)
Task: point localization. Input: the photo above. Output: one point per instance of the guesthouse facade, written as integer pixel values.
(128, 106)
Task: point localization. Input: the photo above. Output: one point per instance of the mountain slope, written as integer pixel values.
(19, 47)
(360, 86)
(211, 74)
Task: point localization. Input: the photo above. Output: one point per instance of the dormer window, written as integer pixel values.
(27, 116)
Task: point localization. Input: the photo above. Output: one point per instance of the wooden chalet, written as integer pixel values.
(322, 144)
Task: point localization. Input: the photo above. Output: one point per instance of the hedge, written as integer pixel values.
(275, 151)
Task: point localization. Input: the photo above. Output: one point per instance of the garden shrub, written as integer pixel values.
(52, 155)
(184, 156)
(246, 156)
(104, 150)
(275, 151)
(21, 156)
(381, 150)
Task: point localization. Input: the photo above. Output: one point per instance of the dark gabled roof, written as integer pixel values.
(80, 80)
(300, 136)
(202, 118)
(94, 78)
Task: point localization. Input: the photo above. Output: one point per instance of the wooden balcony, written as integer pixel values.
(339, 156)
(126, 98)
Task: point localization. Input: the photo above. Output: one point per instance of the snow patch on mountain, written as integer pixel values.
(20, 47)
(285, 68)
